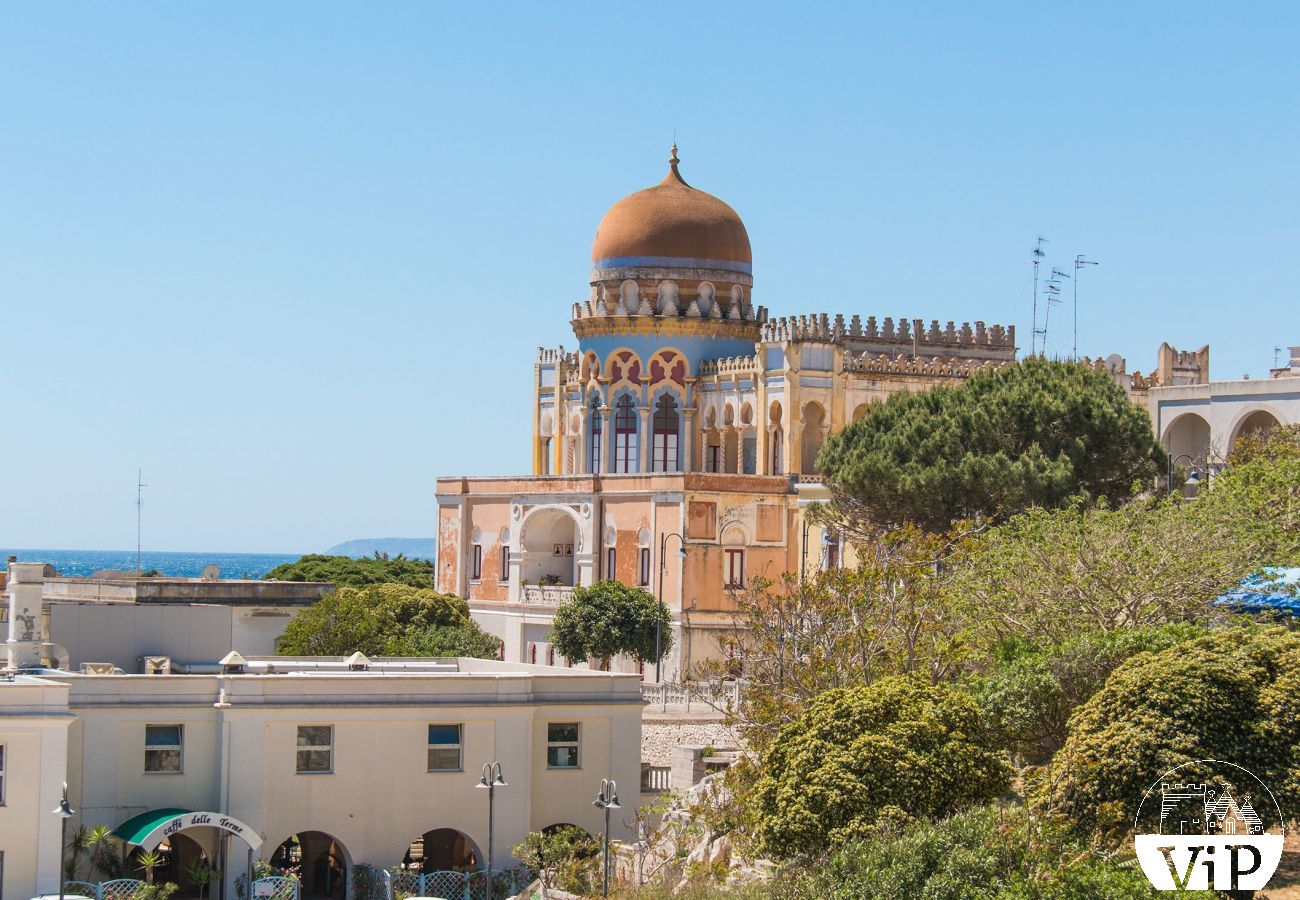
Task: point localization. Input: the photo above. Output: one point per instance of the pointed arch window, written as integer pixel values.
(667, 429)
(625, 435)
(594, 432)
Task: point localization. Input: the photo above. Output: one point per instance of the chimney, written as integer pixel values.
(26, 584)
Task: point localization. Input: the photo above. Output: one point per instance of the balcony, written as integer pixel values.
(545, 594)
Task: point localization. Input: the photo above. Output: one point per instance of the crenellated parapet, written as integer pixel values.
(555, 356)
(823, 327)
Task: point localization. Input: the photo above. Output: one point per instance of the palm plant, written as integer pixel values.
(149, 861)
(78, 844)
(104, 857)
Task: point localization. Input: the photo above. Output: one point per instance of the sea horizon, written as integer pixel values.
(173, 563)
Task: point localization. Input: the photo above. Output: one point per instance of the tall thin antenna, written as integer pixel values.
(1079, 261)
(1277, 351)
(139, 515)
(1052, 290)
(1036, 258)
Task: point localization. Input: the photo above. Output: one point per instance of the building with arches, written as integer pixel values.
(1202, 422)
(686, 410)
(315, 764)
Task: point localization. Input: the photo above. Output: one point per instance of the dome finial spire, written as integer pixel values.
(673, 174)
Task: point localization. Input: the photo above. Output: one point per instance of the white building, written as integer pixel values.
(1203, 422)
(322, 763)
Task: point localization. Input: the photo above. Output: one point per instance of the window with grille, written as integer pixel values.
(610, 557)
(315, 748)
(562, 745)
(593, 448)
(666, 426)
(163, 748)
(644, 580)
(625, 436)
(505, 563)
(444, 748)
(476, 562)
(735, 568)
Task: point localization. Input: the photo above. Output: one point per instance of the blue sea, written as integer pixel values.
(178, 564)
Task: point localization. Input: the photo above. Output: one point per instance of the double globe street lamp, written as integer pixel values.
(65, 812)
(606, 800)
(490, 781)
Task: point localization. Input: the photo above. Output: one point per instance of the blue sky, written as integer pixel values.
(295, 259)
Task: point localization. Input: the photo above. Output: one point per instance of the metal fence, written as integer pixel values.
(117, 889)
(276, 887)
(459, 885)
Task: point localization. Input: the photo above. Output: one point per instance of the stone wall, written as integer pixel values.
(660, 736)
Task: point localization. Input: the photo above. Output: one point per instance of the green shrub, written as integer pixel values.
(857, 757)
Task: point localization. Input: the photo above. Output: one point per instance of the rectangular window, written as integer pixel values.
(562, 745)
(610, 556)
(644, 580)
(163, 748)
(444, 748)
(714, 463)
(505, 563)
(2, 774)
(476, 563)
(315, 748)
(832, 557)
(735, 568)
(665, 452)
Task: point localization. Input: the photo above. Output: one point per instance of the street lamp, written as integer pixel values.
(490, 781)
(663, 563)
(65, 812)
(1195, 475)
(607, 799)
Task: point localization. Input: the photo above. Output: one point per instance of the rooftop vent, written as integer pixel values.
(233, 664)
(156, 665)
(358, 662)
(90, 668)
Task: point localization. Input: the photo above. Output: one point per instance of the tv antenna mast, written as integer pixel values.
(139, 514)
(1052, 292)
(1079, 262)
(1036, 258)
(1277, 351)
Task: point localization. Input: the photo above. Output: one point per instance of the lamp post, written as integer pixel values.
(490, 781)
(65, 812)
(663, 564)
(607, 799)
(1195, 476)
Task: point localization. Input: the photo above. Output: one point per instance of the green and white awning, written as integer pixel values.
(148, 829)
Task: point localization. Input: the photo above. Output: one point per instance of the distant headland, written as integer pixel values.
(413, 548)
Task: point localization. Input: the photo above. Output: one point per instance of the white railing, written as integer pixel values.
(724, 696)
(654, 779)
(546, 594)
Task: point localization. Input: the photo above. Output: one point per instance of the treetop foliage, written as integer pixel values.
(386, 620)
(858, 757)
(1232, 695)
(609, 618)
(345, 570)
(1032, 434)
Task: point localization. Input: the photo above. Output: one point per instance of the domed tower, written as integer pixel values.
(671, 275)
(670, 266)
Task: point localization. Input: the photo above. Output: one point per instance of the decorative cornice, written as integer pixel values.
(674, 326)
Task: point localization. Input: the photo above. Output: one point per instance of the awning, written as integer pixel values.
(134, 829)
(1275, 590)
(149, 829)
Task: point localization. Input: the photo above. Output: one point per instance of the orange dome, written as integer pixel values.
(671, 225)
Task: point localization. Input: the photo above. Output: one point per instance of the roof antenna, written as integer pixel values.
(139, 511)
(1036, 258)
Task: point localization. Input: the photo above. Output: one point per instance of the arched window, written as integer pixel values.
(594, 428)
(625, 436)
(667, 423)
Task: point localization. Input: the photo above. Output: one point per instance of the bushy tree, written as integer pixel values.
(1032, 434)
(890, 615)
(987, 853)
(862, 757)
(1046, 575)
(609, 618)
(1233, 695)
(565, 858)
(1031, 692)
(1257, 500)
(386, 620)
(344, 570)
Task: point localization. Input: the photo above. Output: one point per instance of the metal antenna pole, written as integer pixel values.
(139, 512)
(1038, 255)
(1079, 262)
